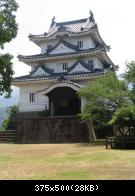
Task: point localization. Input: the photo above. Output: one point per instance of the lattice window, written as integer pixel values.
(32, 97)
(49, 47)
(65, 66)
(80, 44)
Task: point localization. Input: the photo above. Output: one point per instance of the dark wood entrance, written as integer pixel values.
(64, 101)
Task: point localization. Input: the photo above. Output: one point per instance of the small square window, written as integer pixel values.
(49, 47)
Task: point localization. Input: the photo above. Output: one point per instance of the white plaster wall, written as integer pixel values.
(97, 63)
(87, 42)
(61, 48)
(39, 72)
(43, 45)
(40, 100)
(57, 66)
(79, 68)
(81, 82)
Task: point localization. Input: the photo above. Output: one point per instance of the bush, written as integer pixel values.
(12, 109)
(5, 124)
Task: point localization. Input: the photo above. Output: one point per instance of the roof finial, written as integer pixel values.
(91, 17)
(53, 21)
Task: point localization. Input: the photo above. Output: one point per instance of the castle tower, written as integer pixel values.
(72, 54)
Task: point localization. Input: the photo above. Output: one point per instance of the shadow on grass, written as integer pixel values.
(92, 144)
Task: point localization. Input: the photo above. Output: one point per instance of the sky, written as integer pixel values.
(115, 20)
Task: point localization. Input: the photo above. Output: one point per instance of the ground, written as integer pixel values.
(65, 161)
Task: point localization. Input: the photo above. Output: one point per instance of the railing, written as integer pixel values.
(109, 141)
(121, 142)
(7, 136)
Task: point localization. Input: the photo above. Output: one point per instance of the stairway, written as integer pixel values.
(7, 136)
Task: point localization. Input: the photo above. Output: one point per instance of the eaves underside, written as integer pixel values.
(41, 57)
(77, 76)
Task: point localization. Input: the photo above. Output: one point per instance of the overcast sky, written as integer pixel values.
(115, 19)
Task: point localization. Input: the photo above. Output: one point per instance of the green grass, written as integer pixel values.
(65, 161)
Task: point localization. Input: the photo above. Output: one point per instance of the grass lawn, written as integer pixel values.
(65, 161)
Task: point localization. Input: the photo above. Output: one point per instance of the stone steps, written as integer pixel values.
(7, 136)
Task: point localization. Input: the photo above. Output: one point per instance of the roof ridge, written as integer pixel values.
(71, 22)
(85, 65)
(44, 68)
(56, 76)
(67, 44)
(45, 54)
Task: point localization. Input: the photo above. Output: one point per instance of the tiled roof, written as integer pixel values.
(85, 65)
(75, 26)
(59, 83)
(21, 57)
(58, 75)
(46, 69)
(74, 47)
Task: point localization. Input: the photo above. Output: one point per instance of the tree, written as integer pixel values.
(10, 110)
(124, 120)
(129, 76)
(8, 31)
(5, 124)
(104, 96)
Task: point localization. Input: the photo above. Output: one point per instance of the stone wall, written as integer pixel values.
(64, 129)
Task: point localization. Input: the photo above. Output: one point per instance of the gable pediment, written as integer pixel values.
(62, 48)
(78, 68)
(39, 72)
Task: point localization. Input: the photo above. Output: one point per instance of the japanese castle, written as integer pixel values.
(72, 54)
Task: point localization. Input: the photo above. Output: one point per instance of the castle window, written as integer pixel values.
(80, 44)
(49, 47)
(32, 97)
(35, 66)
(65, 66)
(90, 62)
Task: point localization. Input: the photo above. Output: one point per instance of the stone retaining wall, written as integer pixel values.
(64, 129)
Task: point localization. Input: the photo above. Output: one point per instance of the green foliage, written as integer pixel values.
(10, 110)
(8, 26)
(124, 118)
(8, 31)
(5, 124)
(6, 74)
(104, 96)
(13, 109)
(129, 75)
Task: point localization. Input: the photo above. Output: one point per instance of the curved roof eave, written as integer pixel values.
(58, 84)
(37, 39)
(43, 57)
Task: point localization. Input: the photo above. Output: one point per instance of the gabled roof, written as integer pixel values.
(46, 56)
(75, 26)
(71, 46)
(60, 83)
(83, 64)
(71, 27)
(73, 76)
(44, 68)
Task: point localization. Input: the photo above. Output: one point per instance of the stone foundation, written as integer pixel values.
(64, 129)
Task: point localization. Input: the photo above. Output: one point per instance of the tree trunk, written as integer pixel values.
(92, 135)
(115, 130)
